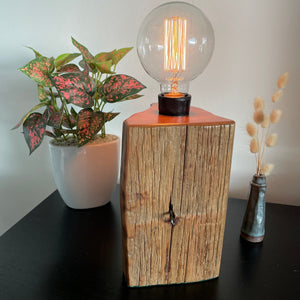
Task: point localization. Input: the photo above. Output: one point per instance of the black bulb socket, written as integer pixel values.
(170, 106)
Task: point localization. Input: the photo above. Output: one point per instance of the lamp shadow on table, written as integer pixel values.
(198, 290)
(85, 252)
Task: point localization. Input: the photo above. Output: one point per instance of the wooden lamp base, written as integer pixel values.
(174, 190)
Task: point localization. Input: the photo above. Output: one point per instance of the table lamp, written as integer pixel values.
(176, 159)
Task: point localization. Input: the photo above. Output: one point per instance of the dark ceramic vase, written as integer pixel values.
(253, 227)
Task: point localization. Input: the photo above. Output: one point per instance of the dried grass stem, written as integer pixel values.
(260, 132)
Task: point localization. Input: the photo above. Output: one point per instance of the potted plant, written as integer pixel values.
(253, 226)
(72, 97)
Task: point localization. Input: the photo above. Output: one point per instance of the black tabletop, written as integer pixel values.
(59, 253)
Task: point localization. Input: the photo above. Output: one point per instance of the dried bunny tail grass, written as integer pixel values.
(258, 116)
(265, 123)
(282, 81)
(251, 129)
(272, 140)
(254, 145)
(276, 96)
(267, 169)
(259, 103)
(275, 116)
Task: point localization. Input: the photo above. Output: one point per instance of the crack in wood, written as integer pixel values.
(173, 221)
(168, 256)
(172, 214)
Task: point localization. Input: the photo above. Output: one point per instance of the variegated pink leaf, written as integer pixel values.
(89, 124)
(76, 88)
(105, 67)
(38, 70)
(34, 130)
(119, 87)
(135, 96)
(119, 54)
(69, 68)
(50, 134)
(86, 67)
(42, 94)
(88, 57)
(104, 56)
(35, 52)
(55, 117)
(73, 112)
(70, 121)
(109, 116)
(28, 114)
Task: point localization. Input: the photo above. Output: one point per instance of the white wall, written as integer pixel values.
(256, 41)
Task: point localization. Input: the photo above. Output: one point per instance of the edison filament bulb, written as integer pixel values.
(175, 43)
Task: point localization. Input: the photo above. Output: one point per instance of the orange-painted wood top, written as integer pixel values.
(198, 116)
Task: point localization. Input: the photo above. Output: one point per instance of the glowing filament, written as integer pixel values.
(175, 44)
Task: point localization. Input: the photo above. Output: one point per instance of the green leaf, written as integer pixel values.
(63, 59)
(27, 115)
(104, 56)
(119, 87)
(37, 54)
(104, 67)
(42, 94)
(38, 70)
(119, 54)
(52, 66)
(89, 124)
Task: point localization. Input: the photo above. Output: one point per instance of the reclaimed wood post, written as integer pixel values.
(174, 190)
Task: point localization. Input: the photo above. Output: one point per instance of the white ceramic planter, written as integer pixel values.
(85, 176)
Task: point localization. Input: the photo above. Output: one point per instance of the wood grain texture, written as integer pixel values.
(185, 165)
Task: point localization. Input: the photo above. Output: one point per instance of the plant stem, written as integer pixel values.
(259, 141)
(257, 156)
(103, 134)
(67, 115)
(96, 78)
(266, 136)
(103, 104)
(53, 100)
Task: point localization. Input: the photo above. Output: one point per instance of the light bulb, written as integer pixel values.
(175, 43)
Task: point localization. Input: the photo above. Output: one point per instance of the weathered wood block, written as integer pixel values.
(174, 191)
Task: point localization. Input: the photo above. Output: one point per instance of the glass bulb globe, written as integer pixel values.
(174, 44)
